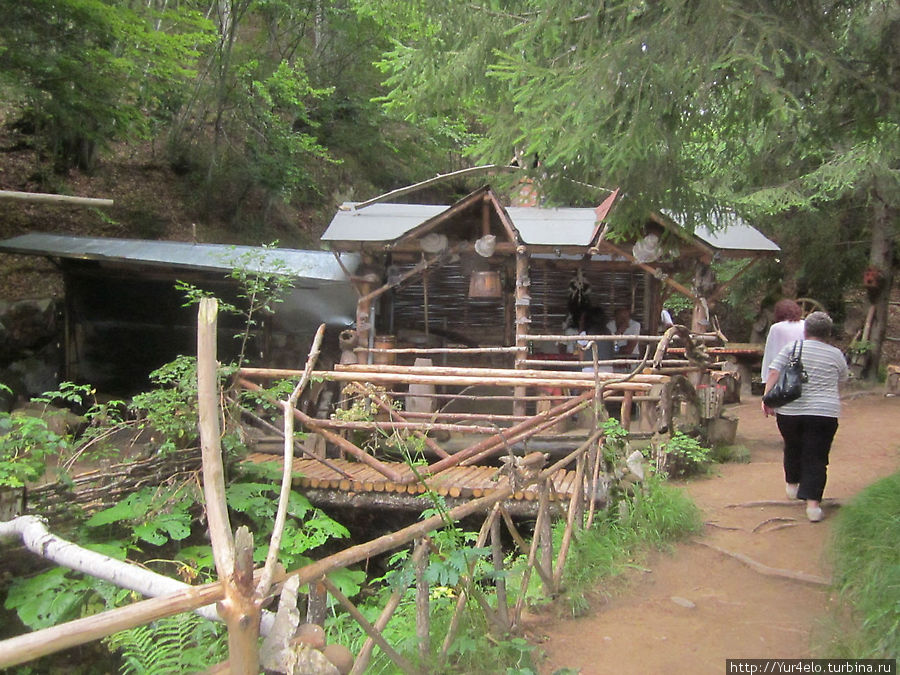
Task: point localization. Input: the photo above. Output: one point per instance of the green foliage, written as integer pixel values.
(27, 441)
(173, 645)
(737, 454)
(171, 407)
(681, 455)
(59, 595)
(698, 108)
(867, 573)
(278, 151)
(155, 516)
(263, 282)
(651, 518)
(25, 444)
(615, 441)
(125, 57)
(305, 530)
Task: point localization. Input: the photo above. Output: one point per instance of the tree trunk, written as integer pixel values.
(881, 257)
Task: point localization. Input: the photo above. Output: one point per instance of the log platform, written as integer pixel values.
(361, 485)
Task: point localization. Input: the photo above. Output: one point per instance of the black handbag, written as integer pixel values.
(790, 381)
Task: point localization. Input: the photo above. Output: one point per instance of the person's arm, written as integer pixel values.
(634, 328)
(770, 382)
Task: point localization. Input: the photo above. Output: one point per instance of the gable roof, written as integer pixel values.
(535, 226)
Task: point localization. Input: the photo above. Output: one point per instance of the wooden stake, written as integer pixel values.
(369, 629)
(423, 607)
(365, 653)
(500, 579)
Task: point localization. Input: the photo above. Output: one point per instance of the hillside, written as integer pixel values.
(152, 201)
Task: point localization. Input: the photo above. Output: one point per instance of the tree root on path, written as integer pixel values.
(778, 502)
(787, 522)
(712, 523)
(769, 571)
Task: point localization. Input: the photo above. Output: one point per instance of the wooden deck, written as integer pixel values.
(464, 482)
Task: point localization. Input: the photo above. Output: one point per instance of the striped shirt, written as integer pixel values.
(826, 367)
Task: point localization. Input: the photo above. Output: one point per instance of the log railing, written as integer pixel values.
(21, 649)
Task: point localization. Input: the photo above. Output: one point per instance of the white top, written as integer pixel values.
(827, 368)
(634, 328)
(665, 319)
(780, 334)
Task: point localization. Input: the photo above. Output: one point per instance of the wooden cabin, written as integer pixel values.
(481, 283)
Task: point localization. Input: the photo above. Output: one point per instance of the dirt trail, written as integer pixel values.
(737, 611)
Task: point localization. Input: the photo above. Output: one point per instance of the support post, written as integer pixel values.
(523, 320)
(423, 608)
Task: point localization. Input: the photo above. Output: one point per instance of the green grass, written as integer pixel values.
(621, 537)
(866, 554)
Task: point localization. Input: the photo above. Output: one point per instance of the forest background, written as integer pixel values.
(248, 121)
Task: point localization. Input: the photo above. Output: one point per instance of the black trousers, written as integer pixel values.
(807, 442)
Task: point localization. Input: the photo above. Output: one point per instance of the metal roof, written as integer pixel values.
(730, 232)
(378, 222)
(317, 266)
(537, 226)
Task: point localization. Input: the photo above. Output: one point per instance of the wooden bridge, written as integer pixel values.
(346, 483)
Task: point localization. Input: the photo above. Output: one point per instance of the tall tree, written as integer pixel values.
(89, 72)
(773, 108)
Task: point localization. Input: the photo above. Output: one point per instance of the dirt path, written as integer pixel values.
(737, 612)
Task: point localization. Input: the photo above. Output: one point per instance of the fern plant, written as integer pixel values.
(185, 643)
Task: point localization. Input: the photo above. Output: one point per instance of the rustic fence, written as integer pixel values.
(242, 591)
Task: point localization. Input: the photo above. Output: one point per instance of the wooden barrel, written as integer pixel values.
(385, 342)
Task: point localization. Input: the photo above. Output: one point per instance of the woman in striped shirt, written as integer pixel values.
(809, 423)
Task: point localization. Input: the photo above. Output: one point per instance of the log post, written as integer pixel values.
(573, 513)
(423, 608)
(545, 535)
(233, 557)
(523, 320)
(497, 555)
(317, 603)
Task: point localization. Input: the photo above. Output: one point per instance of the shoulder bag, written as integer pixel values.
(788, 387)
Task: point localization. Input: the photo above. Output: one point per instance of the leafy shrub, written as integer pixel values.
(681, 455)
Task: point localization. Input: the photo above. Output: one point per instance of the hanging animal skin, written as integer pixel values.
(579, 300)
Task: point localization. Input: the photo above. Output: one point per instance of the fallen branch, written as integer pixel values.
(769, 571)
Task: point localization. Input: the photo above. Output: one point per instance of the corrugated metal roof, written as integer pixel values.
(536, 226)
(311, 265)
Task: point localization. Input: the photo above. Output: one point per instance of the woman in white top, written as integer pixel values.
(809, 423)
(787, 328)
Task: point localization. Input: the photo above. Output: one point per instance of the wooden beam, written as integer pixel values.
(473, 170)
(681, 288)
(45, 198)
(435, 261)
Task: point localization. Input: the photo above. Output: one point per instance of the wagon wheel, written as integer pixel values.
(808, 305)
